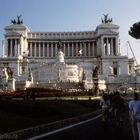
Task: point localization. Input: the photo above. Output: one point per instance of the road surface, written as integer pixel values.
(96, 130)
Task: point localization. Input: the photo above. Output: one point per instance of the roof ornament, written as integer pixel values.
(18, 21)
(106, 19)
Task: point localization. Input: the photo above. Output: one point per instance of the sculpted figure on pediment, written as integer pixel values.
(106, 19)
(18, 21)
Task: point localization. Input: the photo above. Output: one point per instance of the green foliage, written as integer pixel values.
(135, 30)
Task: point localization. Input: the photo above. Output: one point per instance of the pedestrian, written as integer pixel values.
(118, 107)
(105, 105)
(134, 115)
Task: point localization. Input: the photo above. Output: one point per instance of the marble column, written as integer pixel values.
(72, 45)
(92, 49)
(81, 47)
(111, 47)
(31, 49)
(56, 49)
(43, 49)
(48, 49)
(76, 47)
(39, 45)
(117, 46)
(35, 49)
(11, 50)
(16, 47)
(107, 47)
(51, 49)
(6, 47)
(102, 45)
(64, 45)
(89, 49)
(68, 49)
(13, 47)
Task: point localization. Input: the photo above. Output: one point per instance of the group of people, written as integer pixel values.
(112, 102)
(115, 103)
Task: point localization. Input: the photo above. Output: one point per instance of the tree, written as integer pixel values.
(135, 30)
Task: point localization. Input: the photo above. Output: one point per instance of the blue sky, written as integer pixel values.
(73, 15)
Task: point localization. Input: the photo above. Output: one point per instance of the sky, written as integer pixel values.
(73, 15)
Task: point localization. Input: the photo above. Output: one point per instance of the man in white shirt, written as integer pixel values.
(134, 114)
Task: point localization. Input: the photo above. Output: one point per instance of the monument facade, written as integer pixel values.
(63, 56)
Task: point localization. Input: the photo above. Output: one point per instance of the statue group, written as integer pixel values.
(18, 21)
(8, 73)
(106, 19)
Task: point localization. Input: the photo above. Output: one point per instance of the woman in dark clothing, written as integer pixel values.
(118, 107)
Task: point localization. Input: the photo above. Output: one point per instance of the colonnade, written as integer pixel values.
(70, 49)
(110, 46)
(13, 47)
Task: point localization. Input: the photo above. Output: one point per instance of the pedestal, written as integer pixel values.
(11, 84)
(100, 85)
(96, 89)
(110, 84)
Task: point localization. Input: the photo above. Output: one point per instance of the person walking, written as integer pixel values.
(118, 107)
(105, 104)
(134, 115)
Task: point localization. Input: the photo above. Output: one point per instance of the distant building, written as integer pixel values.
(63, 56)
